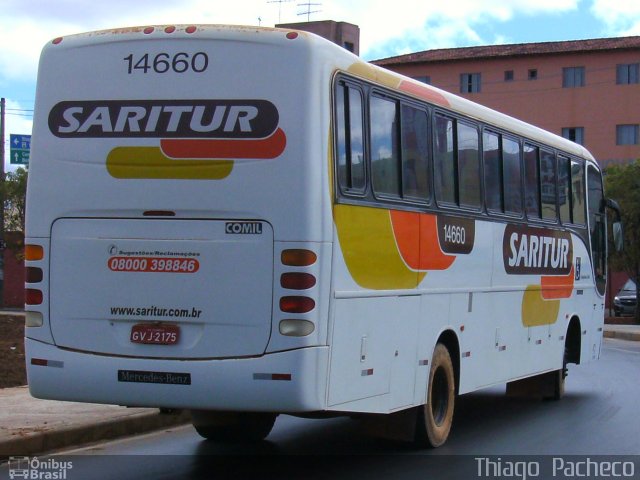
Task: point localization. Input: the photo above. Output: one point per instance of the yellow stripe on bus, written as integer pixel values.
(536, 310)
(151, 163)
(370, 251)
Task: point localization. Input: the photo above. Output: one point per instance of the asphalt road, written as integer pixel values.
(600, 415)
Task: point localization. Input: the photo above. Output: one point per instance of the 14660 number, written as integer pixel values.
(455, 234)
(164, 62)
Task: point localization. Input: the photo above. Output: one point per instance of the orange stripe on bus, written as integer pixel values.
(417, 239)
(425, 93)
(264, 148)
(555, 287)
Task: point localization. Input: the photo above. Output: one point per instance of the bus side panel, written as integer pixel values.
(373, 352)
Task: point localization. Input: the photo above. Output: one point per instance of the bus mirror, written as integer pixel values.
(618, 232)
(618, 236)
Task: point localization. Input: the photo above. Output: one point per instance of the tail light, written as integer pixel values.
(297, 280)
(33, 296)
(297, 304)
(33, 275)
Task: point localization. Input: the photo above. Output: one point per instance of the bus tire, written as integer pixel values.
(436, 416)
(234, 428)
(558, 379)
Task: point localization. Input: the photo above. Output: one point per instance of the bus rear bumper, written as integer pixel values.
(291, 381)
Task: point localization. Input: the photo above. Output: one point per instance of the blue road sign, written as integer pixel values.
(20, 147)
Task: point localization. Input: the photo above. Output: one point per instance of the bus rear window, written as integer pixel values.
(350, 148)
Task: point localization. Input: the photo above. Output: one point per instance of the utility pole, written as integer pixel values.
(2, 242)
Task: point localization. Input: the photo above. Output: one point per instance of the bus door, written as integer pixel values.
(597, 229)
(598, 235)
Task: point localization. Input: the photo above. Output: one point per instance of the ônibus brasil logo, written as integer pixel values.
(198, 139)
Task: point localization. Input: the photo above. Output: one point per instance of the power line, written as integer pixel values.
(24, 115)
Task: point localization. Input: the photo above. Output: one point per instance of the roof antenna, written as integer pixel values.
(279, 2)
(309, 11)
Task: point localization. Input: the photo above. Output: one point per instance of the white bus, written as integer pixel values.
(244, 222)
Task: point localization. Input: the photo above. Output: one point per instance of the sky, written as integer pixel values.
(387, 28)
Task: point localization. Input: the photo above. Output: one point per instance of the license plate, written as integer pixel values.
(155, 334)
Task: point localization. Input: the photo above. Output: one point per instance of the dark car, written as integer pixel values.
(625, 301)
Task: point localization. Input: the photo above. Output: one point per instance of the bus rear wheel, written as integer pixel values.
(233, 427)
(436, 416)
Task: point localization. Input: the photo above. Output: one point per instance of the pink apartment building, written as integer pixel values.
(585, 90)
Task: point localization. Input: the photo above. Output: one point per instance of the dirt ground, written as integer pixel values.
(12, 368)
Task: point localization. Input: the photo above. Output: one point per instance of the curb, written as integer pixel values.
(135, 424)
(631, 336)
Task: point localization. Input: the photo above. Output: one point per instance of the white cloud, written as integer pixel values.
(27, 24)
(418, 25)
(622, 17)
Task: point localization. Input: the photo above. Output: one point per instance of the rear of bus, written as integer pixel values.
(178, 220)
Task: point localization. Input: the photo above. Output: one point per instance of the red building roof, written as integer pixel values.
(513, 50)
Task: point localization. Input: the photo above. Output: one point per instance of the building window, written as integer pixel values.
(423, 78)
(533, 74)
(572, 77)
(575, 134)
(627, 134)
(469, 83)
(508, 75)
(628, 73)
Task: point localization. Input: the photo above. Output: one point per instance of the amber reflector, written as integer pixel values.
(298, 257)
(33, 252)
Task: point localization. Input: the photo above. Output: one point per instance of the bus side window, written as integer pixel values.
(415, 154)
(385, 169)
(350, 147)
(564, 189)
(468, 165)
(443, 159)
(578, 192)
(531, 181)
(548, 185)
(494, 195)
(511, 171)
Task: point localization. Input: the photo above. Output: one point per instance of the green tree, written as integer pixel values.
(14, 192)
(622, 183)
